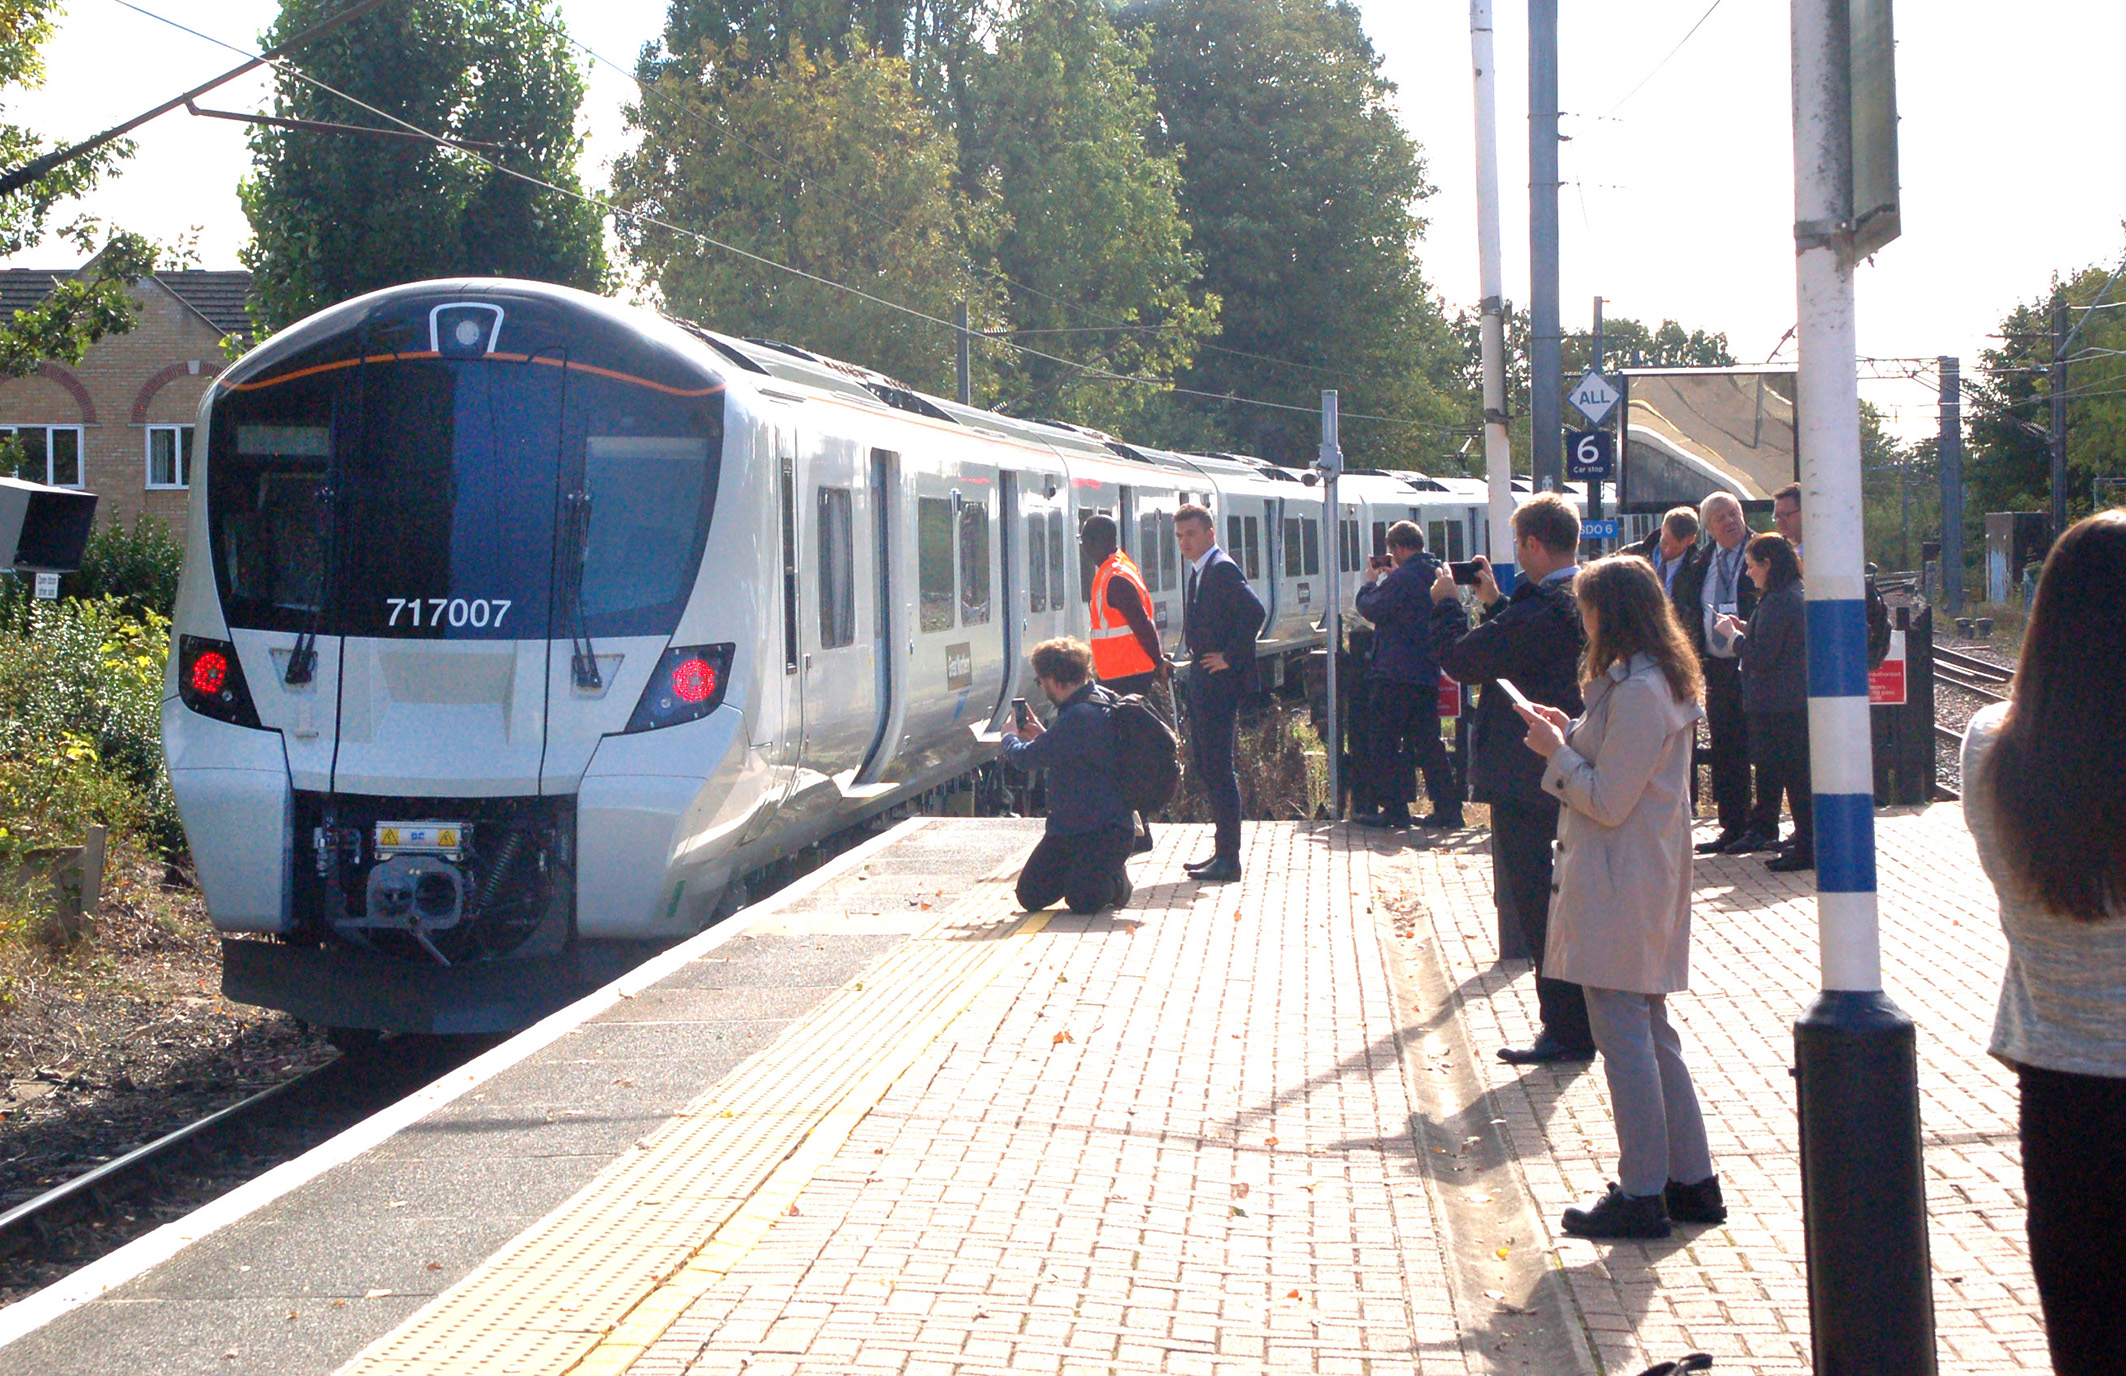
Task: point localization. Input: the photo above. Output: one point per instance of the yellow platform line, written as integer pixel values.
(592, 1284)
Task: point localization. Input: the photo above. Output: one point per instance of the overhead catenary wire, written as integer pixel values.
(1429, 427)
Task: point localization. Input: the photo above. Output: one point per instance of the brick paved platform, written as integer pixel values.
(1242, 1128)
(1739, 1291)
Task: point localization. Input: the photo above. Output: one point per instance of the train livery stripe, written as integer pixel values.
(420, 355)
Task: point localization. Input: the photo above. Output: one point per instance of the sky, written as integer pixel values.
(1679, 164)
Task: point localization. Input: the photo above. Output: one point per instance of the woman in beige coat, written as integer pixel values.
(1620, 915)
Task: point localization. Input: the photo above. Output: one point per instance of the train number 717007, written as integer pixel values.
(455, 612)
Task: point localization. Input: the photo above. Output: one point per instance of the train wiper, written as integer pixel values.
(302, 660)
(583, 658)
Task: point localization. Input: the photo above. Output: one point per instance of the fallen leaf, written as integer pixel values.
(793, 1212)
(1494, 1294)
(1501, 1253)
(1061, 1037)
(291, 1316)
(1269, 1141)
(1239, 1212)
(435, 1266)
(396, 1204)
(1240, 1190)
(339, 1304)
(1291, 1294)
(376, 1294)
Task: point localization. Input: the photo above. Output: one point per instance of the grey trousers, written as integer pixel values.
(1660, 1132)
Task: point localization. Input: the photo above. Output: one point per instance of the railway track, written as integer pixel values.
(1979, 677)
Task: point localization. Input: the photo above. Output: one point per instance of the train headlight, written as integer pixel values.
(687, 684)
(210, 680)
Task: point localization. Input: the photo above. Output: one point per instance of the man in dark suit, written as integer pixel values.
(1220, 621)
(1531, 639)
(1670, 549)
(1712, 585)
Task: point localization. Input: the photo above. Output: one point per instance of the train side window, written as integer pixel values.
(974, 564)
(837, 568)
(1036, 563)
(1454, 541)
(933, 562)
(1253, 528)
(1235, 542)
(1056, 585)
(1148, 551)
(1169, 553)
(1310, 531)
(1294, 548)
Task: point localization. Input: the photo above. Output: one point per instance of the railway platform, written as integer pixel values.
(885, 1122)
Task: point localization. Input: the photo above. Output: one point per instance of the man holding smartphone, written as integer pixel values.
(1533, 640)
(1082, 854)
(1405, 688)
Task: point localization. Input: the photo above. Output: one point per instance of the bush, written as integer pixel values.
(81, 726)
(138, 567)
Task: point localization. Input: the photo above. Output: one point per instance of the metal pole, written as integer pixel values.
(1951, 454)
(2057, 436)
(966, 355)
(1546, 369)
(1498, 443)
(1594, 485)
(1331, 464)
(1856, 1056)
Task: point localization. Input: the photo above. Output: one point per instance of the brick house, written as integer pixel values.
(120, 422)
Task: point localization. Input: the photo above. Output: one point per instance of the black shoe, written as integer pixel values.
(1448, 821)
(1620, 1215)
(1218, 872)
(1197, 866)
(1385, 820)
(1124, 891)
(1718, 843)
(1750, 842)
(1791, 861)
(1545, 1050)
(1699, 1203)
(1141, 844)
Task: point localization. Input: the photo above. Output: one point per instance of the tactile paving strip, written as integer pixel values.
(592, 1284)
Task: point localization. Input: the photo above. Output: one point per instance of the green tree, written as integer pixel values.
(830, 166)
(1301, 188)
(336, 214)
(1090, 233)
(2009, 463)
(84, 308)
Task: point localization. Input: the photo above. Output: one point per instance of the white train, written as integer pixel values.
(516, 625)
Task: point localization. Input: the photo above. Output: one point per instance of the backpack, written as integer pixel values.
(1147, 753)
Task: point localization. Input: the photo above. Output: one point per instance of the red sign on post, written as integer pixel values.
(1450, 698)
(1886, 681)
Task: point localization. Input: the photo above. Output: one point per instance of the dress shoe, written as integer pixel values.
(1699, 1203)
(1385, 820)
(1124, 891)
(1620, 1215)
(1141, 844)
(1718, 843)
(1544, 1050)
(1750, 842)
(1194, 866)
(1217, 872)
(1791, 861)
(1445, 821)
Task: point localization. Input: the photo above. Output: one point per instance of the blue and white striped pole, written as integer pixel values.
(1856, 1055)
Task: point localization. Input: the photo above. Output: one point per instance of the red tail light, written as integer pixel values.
(210, 680)
(688, 684)
(209, 672)
(694, 680)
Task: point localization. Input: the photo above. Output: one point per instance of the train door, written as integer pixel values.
(982, 592)
(1160, 563)
(779, 723)
(837, 669)
(1011, 573)
(1045, 600)
(889, 628)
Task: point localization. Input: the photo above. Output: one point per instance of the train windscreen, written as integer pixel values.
(402, 494)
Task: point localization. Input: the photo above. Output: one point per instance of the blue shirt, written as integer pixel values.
(1078, 751)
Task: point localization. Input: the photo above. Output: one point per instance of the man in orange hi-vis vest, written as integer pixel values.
(1127, 655)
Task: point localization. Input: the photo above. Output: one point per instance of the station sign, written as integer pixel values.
(1593, 397)
(1450, 698)
(1887, 680)
(1591, 454)
(47, 587)
(1603, 529)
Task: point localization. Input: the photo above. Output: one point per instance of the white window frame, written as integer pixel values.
(147, 445)
(81, 449)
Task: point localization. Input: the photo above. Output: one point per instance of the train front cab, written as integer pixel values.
(428, 721)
